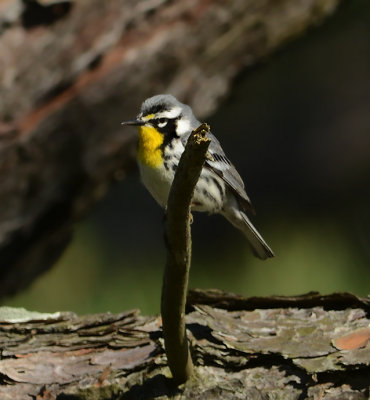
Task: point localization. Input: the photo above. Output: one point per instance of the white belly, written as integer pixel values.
(158, 181)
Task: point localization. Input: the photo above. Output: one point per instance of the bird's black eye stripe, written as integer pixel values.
(159, 121)
(169, 131)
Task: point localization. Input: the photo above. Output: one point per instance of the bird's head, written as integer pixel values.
(167, 115)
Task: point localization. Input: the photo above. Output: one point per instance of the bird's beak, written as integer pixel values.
(135, 122)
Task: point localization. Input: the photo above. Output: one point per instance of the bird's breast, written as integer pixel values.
(149, 151)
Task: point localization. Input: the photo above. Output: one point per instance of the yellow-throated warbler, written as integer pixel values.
(164, 125)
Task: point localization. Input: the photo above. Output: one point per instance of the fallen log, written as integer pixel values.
(311, 346)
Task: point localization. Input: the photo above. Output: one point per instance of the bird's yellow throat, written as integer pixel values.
(149, 152)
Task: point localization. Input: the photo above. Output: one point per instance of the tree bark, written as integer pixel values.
(71, 71)
(304, 347)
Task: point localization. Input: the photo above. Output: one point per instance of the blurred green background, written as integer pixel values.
(297, 127)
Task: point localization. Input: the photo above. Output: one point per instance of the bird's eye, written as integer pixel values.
(162, 122)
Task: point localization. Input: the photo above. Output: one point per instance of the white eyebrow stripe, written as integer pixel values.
(173, 113)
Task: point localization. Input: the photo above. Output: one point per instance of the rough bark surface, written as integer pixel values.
(71, 71)
(306, 347)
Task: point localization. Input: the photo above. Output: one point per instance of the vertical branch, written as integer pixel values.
(178, 242)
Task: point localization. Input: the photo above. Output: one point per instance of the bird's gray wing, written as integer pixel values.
(222, 166)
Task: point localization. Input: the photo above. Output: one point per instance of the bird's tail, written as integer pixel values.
(259, 247)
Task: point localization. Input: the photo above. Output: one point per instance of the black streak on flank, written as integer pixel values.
(219, 187)
(36, 14)
(208, 195)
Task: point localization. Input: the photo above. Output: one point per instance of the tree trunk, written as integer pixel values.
(71, 71)
(304, 347)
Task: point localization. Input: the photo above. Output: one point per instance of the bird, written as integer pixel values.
(164, 125)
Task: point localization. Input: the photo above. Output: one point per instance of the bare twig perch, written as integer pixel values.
(178, 241)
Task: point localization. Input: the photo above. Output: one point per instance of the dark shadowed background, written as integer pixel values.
(297, 127)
